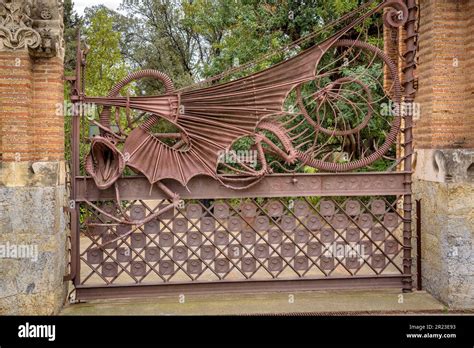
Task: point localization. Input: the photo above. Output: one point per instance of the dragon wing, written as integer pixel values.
(214, 117)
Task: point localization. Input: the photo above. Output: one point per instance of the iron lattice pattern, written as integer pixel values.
(234, 239)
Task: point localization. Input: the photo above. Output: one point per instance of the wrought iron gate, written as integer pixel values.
(285, 231)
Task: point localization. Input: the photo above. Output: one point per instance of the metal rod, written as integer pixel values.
(419, 284)
(409, 96)
(276, 185)
(75, 168)
(297, 284)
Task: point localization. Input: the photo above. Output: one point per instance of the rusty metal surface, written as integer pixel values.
(276, 185)
(306, 284)
(322, 240)
(210, 119)
(419, 270)
(409, 96)
(186, 220)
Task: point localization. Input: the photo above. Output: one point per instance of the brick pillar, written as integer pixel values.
(15, 104)
(48, 93)
(32, 188)
(444, 145)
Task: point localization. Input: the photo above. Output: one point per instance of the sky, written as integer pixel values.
(80, 5)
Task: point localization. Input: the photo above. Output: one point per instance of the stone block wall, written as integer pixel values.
(32, 225)
(447, 196)
(33, 229)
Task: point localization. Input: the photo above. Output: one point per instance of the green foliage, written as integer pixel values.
(71, 24)
(238, 32)
(154, 37)
(105, 64)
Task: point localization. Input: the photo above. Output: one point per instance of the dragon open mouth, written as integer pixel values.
(104, 163)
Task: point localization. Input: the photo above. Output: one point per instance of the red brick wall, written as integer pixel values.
(445, 91)
(15, 105)
(48, 93)
(470, 66)
(30, 90)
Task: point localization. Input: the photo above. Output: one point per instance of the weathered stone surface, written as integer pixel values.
(447, 240)
(32, 194)
(8, 271)
(319, 301)
(32, 25)
(33, 216)
(43, 303)
(28, 209)
(445, 165)
(14, 174)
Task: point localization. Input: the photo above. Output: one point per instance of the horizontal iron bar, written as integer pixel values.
(275, 185)
(299, 284)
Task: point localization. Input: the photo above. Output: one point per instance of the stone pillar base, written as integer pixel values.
(444, 180)
(33, 235)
